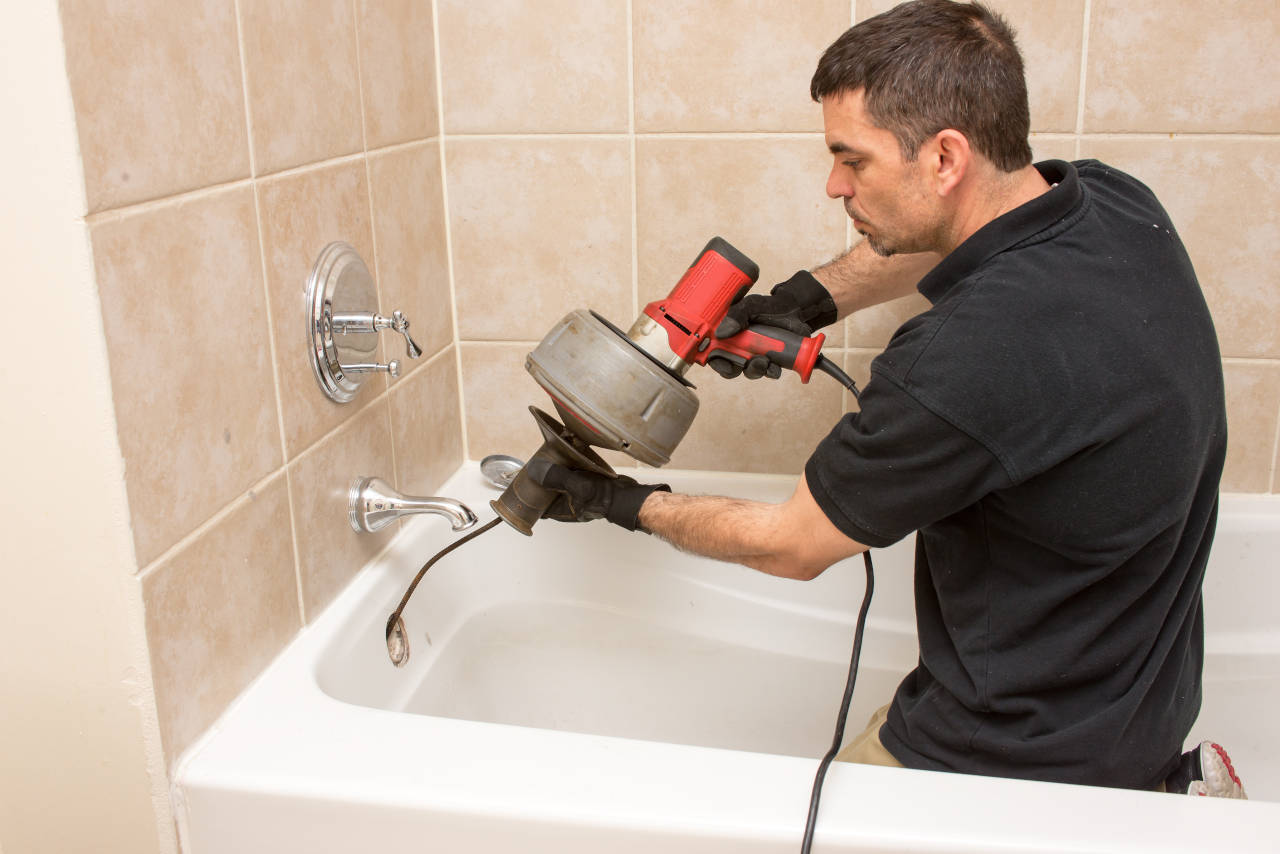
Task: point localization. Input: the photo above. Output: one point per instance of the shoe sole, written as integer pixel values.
(1220, 778)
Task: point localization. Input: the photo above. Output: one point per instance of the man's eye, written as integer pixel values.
(853, 164)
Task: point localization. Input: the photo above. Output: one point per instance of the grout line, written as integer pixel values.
(1250, 360)
(272, 347)
(1275, 456)
(364, 122)
(313, 167)
(110, 214)
(387, 382)
(297, 555)
(1084, 72)
(393, 147)
(275, 375)
(515, 343)
(699, 135)
(262, 256)
(244, 86)
(1141, 136)
(218, 516)
(846, 396)
(116, 214)
(456, 340)
(631, 137)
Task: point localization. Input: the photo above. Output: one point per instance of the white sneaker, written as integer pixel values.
(1206, 772)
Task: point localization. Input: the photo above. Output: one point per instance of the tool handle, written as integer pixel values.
(781, 346)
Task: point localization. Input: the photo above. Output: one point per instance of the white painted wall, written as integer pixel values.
(82, 768)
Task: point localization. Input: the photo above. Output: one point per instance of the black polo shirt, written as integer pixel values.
(1054, 428)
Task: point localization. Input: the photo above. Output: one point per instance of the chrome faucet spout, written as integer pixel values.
(373, 505)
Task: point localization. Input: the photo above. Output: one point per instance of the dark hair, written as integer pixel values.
(929, 65)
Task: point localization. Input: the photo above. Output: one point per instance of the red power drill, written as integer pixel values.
(679, 329)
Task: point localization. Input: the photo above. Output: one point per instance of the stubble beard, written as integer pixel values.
(877, 245)
(881, 249)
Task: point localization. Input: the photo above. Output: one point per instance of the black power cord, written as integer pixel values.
(828, 367)
(844, 709)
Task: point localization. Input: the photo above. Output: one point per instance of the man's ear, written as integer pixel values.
(950, 159)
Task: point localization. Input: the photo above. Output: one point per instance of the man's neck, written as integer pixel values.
(991, 195)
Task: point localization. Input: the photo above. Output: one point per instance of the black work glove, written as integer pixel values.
(800, 304)
(585, 496)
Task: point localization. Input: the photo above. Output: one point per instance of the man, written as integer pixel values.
(1053, 427)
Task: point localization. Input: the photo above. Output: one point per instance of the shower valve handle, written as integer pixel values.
(368, 321)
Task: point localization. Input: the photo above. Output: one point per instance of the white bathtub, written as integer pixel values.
(587, 689)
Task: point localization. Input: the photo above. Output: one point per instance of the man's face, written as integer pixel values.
(887, 198)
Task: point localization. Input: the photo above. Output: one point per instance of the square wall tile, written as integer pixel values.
(1221, 195)
(1253, 406)
(728, 434)
(873, 327)
(540, 227)
(498, 392)
(426, 425)
(512, 66)
(302, 79)
(218, 610)
(1052, 148)
(184, 315)
(1198, 66)
(397, 70)
(330, 553)
(766, 196)
(1049, 36)
(158, 96)
(413, 261)
(303, 212)
(731, 65)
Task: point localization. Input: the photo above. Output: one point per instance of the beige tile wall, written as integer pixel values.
(224, 145)
(529, 158)
(723, 139)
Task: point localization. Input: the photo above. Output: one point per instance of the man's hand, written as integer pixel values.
(585, 496)
(800, 304)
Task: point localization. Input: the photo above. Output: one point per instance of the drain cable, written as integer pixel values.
(404, 600)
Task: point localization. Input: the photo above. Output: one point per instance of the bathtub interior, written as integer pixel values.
(588, 629)
(592, 630)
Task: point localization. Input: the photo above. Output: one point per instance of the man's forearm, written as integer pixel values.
(791, 540)
(860, 278)
(728, 529)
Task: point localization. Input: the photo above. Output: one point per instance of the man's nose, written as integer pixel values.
(838, 187)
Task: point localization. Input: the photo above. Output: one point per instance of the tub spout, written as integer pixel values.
(373, 505)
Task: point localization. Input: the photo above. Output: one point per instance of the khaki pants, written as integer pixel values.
(865, 748)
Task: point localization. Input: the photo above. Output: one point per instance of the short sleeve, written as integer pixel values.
(896, 466)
